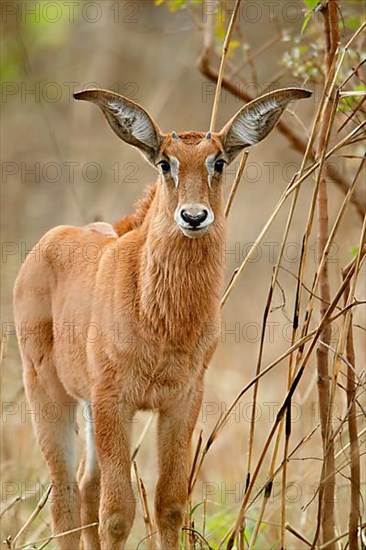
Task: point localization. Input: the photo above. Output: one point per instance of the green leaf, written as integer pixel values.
(220, 30)
(234, 44)
(352, 23)
(175, 5)
(307, 19)
(311, 4)
(192, 511)
(360, 87)
(355, 251)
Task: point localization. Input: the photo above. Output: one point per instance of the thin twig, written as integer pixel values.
(298, 535)
(339, 537)
(10, 505)
(219, 425)
(142, 436)
(225, 50)
(53, 537)
(291, 188)
(325, 320)
(145, 507)
(41, 504)
(327, 491)
(267, 493)
(354, 514)
(236, 182)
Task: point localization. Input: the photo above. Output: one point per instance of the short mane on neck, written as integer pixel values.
(128, 223)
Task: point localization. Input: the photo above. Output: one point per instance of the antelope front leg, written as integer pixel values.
(175, 429)
(112, 437)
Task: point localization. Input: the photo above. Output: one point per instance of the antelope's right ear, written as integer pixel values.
(128, 120)
(257, 119)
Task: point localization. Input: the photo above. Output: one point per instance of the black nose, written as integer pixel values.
(196, 220)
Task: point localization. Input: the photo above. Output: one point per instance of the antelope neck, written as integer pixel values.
(180, 278)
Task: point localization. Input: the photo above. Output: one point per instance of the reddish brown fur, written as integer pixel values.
(127, 223)
(161, 292)
(126, 318)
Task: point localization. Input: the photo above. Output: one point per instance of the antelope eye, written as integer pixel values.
(219, 165)
(165, 166)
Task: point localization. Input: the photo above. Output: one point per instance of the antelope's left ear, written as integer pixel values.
(256, 119)
(128, 120)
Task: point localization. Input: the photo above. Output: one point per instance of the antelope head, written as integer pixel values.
(191, 164)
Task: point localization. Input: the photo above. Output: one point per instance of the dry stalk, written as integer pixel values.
(294, 184)
(324, 321)
(298, 535)
(347, 461)
(358, 435)
(45, 544)
(326, 250)
(236, 182)
(296, 314)
(223, 419)
(339, 353)
(330, 240)
(10, 505)
(225, 50)
(329, 86)
(204, 517)
(47, 540)
(194, 464)
(142, 436)
(279, 468)
(327, 491)
(255, 393)
(267, 492)
(192, 533)
(149, 525)
(354, 514)
(339, 537)
(41, 504)
(293, 452)
(345, 203)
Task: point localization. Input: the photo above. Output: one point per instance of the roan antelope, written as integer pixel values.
(149, 298)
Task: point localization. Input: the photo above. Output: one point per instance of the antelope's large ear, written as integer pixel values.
(128, 120)
(256, 119)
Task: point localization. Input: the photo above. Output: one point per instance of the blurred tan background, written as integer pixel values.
(81, 172)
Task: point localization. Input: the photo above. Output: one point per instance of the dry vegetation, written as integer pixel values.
(279, 448)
